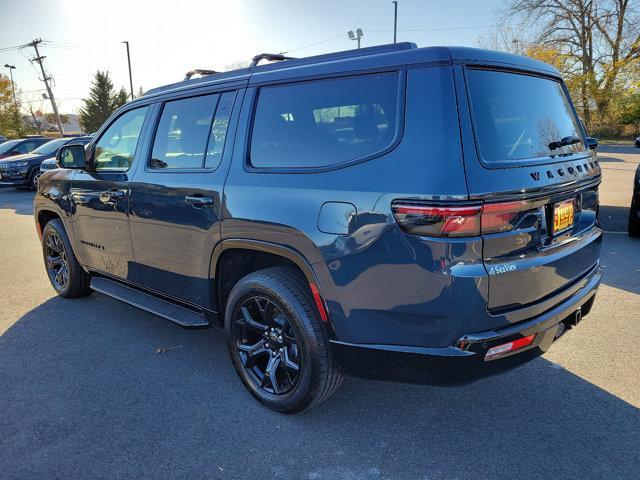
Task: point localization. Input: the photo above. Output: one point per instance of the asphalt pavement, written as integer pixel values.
(83, 393)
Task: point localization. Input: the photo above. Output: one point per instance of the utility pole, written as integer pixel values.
(13, 86)
(129, 62)
(46, 79)
(395, 21)
(357, 36)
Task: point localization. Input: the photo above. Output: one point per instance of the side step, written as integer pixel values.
(181, 315)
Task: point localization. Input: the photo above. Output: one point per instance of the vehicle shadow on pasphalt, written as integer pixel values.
(20, 201)
(95, 388)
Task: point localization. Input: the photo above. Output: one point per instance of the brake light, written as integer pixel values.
(458, 221)
(438, 221)
(510, 346)
(499, 217)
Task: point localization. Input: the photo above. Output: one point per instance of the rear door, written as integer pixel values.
(526, 159)
(100, 197)
(176, 196)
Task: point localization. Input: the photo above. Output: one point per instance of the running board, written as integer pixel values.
(180, 315)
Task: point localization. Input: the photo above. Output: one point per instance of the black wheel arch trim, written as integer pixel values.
(267, 247)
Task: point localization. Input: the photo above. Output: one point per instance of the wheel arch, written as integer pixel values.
(268, 254)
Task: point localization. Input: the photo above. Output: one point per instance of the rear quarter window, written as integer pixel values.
(323, 123)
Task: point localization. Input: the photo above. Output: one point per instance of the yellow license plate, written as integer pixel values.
(562, 216)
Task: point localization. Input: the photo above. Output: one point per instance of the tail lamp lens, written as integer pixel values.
(458, 221)
(436, 221)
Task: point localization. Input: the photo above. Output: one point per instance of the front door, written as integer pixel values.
(100, 197)
(176, 197)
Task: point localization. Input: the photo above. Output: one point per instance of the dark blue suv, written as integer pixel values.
(412, 214)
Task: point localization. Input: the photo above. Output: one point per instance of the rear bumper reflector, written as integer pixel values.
(510, 346)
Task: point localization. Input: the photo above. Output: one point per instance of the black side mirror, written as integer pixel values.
(592, 143)
(71, 156)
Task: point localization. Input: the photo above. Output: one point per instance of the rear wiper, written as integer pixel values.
(570, 140)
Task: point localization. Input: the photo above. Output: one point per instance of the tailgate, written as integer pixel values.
(527, 161)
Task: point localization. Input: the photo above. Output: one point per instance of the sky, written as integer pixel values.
(169, 38)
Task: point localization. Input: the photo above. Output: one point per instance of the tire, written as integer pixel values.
(33, 183)
(634, 221)
(66, 275)
(278, 300)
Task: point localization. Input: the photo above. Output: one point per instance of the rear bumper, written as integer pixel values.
(465, 361)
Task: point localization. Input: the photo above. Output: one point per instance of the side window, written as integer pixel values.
(117, 145)
(218, 136)
(183, 132)
(324, 122)
(21, 148)
(30, 146)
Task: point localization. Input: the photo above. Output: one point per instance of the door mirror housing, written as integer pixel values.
(71, 156)
(592, 143)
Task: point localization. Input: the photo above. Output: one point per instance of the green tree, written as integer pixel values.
(11, 123)
(102, 102)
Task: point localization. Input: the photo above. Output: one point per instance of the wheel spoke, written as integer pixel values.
(53, 245)
(288, 362)
(248, 321)
(271, 374)
(251, 352)
(53, 261)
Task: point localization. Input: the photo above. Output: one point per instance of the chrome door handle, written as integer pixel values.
(111, 196)
(198, 201)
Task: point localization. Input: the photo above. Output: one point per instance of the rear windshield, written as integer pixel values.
(521, 116)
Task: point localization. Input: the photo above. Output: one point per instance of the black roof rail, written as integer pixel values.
(273, 57)
(199, 71)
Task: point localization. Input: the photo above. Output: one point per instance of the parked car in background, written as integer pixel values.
(21, 146)
(634, 210)
(23, 171)
(414, 214)
(51, 163)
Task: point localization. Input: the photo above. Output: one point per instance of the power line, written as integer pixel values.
(314, 44)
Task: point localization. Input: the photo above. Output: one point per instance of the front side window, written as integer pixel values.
(117, 145)
(324, 122)
(521, 116)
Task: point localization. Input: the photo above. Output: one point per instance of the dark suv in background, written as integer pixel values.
(392, 212)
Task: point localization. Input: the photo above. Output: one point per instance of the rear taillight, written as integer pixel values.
(458, 221)
(438, 221)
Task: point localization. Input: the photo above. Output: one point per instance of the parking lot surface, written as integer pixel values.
(83, 393)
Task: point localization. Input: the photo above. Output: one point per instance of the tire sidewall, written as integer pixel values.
(299, 320)
(53, 226)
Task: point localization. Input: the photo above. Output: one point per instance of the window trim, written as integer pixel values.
(522, 162)
(102, 131)
(397, 137)
(161, 104)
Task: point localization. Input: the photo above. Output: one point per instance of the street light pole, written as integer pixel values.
(395, 21)
(356, 36)
(13, 86)
(129, 62)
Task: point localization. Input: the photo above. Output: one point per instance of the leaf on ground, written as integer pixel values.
(166, 349)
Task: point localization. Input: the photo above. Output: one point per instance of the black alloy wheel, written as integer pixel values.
(67, 276)
(277, 342)
(267, 345)
(56, 261)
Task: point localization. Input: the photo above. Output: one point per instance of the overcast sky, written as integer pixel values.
(168, 38)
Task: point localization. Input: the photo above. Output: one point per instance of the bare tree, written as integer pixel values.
(600, 37)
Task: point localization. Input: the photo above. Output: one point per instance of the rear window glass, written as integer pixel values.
(521, 116)
(325, 122)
